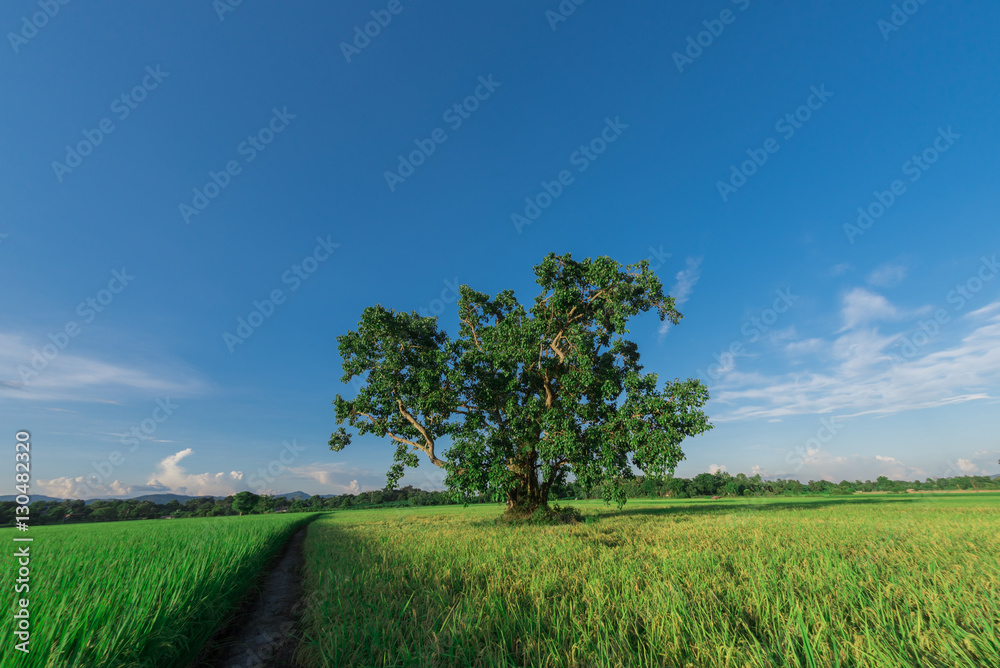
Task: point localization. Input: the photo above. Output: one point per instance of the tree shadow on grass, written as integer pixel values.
(684, 511)
(380, 601)
(741, 505)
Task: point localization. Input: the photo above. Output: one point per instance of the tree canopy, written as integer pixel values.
(526, 396)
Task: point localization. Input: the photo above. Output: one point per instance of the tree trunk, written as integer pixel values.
(527, 497)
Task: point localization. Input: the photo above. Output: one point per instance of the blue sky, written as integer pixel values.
(164, 167)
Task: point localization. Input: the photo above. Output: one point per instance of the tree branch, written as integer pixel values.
(429, 448)
(561, 354)
(475, 338)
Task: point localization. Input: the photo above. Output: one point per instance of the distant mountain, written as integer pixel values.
(167, 498)
(164, 498)
(34, 497)
(160, 498)
(181, 498)
(294, 496)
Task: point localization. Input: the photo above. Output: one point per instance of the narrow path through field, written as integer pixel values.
(263, 633)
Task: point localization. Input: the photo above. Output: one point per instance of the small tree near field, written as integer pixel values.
(526, 396)
(244, 502)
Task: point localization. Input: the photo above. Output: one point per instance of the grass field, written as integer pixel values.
(876, 581)
(126, 594)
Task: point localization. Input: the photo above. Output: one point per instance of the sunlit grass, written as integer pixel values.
(124, 594)
(886, 581)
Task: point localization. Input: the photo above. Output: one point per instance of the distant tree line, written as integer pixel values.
(720, 484)
(724, 484)
(243, 503)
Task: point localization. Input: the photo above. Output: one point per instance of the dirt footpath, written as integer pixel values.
(263, 634)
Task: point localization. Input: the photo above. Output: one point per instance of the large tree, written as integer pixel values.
(526, 396)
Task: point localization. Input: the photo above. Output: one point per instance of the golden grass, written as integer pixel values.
(889, 581)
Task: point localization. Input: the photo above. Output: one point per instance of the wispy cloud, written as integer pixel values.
(805, 346)
(684, 283)
(26, 374)
(335, 477)
(825, 465)
(855, 373)
(887, 276)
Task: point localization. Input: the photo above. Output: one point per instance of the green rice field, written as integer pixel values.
(147, 593)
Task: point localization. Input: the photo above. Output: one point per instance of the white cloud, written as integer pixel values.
(887, 276)
(980, 462)
(861, 306)
(841, 268)
(80, 488)
(169, 474)
(715, 468)
(683, 286)
(968, 467)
